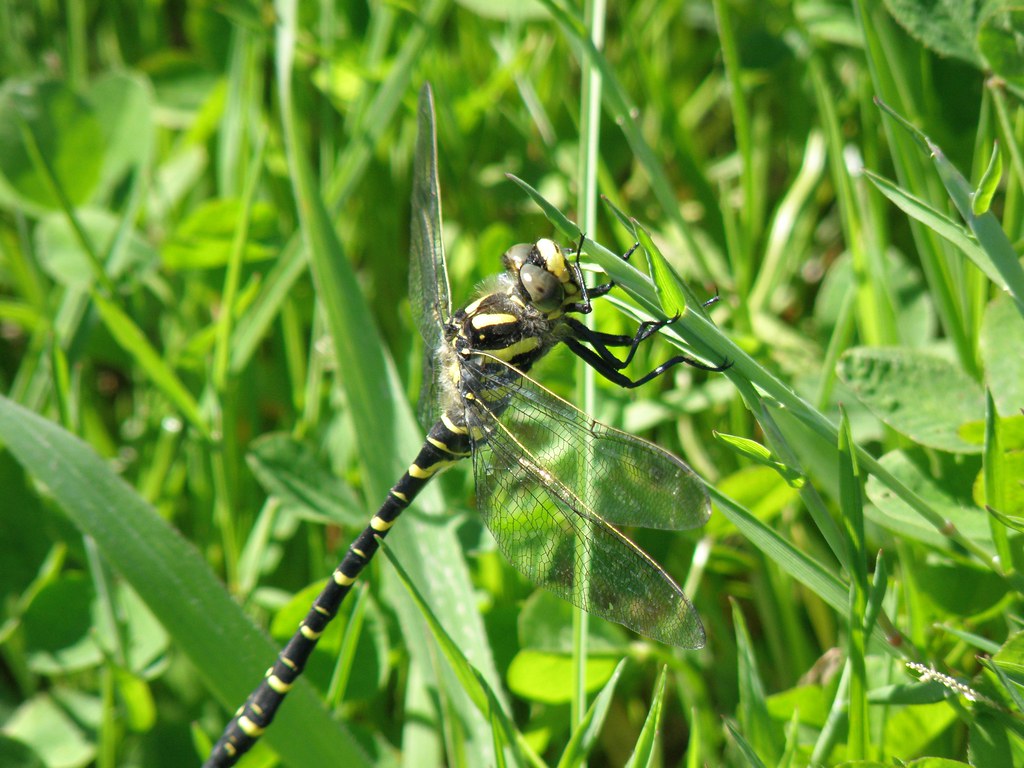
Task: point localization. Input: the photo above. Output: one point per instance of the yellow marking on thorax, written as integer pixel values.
(488, 319)
(520, 347)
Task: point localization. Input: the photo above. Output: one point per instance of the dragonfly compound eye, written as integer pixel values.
(516, 256)
(543, 288)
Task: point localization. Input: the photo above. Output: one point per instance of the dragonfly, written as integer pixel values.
(552, 484)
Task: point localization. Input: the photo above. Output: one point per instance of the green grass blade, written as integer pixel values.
(585, 733)
(938, 222)
(133, 341)
(478, 690)
(624, 112)
(644, 752)
(852, 509)
(758, 728)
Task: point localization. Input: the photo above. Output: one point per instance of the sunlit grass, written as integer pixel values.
(234, 339)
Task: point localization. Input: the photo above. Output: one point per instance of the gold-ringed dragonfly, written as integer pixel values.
(551, 483)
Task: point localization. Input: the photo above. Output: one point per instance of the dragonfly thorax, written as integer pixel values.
(502, 325)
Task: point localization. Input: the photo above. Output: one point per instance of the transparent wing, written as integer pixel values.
(630, 481)
(428, 273)
(546, 482)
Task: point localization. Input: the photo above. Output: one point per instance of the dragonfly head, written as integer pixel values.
(548, 280)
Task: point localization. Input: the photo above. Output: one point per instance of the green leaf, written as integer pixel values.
(946, 489)
(52, 724)
(1002, 350)
(999, 41)
(26, 523)
(947, 27)
(134, 693)
(989, 743)
(473, 683)
(124, 105)
(790, 558)
(810, 702)
(15, 753)
(954, 232)
(910, 730)
(548, 677)
(644, 751)
(747, 749)
(752, 712)
(960, 590)
(45, 122)
(921, 396)
(58, 627)
(986, 228)
(1016, 522)
(505, 10)
(61, 254)
(204, 239)
(759, 454)
(1010, 658)
(289, 469)
(588, 730)
(675, 296)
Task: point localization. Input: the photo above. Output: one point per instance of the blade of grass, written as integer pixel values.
(852, 509)
(644, 751)
(479, 691)
(586, 204)
(624, 113)
(585, 733)
(892, 74)
(350, 167)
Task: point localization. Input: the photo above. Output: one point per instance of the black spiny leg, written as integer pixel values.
(584, 307)
(604, 361)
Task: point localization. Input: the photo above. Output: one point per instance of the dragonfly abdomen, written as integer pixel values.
(446, 444)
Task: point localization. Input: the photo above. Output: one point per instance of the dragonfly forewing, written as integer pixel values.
(542, 469)
(429, 293)
(630, 480)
